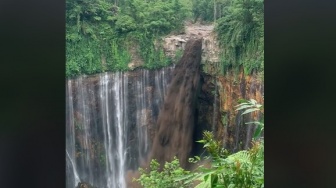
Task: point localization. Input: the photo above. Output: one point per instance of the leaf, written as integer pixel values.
(250, 110)
(97, 18)
(243, 107)
(255, 122)
(257, 132)
(231, 185)
(206, 145)
(254, 102)
(184, 177)
(258, 105)
(206, 177)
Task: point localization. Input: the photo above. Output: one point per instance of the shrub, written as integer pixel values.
(165, 178)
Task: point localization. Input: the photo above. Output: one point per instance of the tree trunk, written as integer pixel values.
(215, 10)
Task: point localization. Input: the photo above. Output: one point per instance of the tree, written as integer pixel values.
(99, 31)
(241, 34)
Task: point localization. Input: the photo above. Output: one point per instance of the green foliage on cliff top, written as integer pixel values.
(99, 34)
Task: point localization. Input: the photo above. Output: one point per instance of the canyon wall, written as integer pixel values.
(110, 124)
(112, 118)
(219, 93)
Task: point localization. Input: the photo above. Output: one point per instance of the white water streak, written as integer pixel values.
(77, 180)
(99, 117)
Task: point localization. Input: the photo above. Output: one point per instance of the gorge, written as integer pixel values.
(111, 124)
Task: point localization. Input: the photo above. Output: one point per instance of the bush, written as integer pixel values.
(165, 178)
(125, 24)
(244, 169)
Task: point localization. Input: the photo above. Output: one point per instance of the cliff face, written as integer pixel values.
(231, 125)
(219, 94)
(174, 43)
(111, 122)
(119, 112)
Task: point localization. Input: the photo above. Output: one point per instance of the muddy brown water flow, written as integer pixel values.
(177, 118)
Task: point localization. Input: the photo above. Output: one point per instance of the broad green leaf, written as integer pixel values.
(243, 107)
(255, 122)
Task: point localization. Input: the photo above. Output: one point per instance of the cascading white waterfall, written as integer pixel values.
(84, 125)
(113, 90)
(119, 98)
(104, 99)
(70, 140)
(141, 101)
(107, 124)
(161, 83)
(77, 180)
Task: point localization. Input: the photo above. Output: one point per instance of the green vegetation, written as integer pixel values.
(203, 10)
(164, 178)
(208, 10)
(100, 34)
(250, 106)
(240, 30)
(244, 169)
(241, 35)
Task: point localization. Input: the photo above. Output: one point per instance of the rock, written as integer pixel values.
(84, 185)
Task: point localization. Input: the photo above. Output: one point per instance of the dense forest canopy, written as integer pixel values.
(100, 34)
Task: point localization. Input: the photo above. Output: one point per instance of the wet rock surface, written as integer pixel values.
(110, 123)
(84, 185)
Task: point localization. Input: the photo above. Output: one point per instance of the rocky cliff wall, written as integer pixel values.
(110, 124)
(219, 93)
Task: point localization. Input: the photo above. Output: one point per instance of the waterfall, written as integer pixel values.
(112, 99)
(110, 121)
(77, 180)
(142, 101)
(177, 119)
